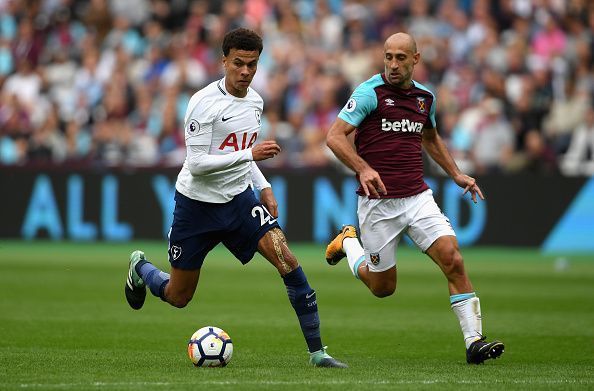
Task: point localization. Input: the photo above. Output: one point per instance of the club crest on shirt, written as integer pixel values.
(257, 112)
(350, 105)
(421, 104)
(175, 251)
(193, 126)
(374, 258)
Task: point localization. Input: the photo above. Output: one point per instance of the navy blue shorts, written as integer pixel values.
(199, 226)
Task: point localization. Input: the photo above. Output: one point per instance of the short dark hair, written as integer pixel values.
(242, 39)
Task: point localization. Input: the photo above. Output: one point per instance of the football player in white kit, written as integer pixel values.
(215, 202)
(394, 117)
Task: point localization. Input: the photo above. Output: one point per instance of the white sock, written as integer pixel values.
(354, 252)
(469, 314)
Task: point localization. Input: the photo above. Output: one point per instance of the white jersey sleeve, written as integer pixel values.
(200, 162)
(258, 179)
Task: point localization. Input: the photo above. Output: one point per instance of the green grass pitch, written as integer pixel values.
(64, 323)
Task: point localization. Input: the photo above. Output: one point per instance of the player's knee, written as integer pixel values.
(180, 301)
(452, 262)
(383, 290)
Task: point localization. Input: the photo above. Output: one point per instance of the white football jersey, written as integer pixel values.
(226, 124)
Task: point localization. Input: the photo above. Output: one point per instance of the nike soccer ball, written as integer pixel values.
(210, 347)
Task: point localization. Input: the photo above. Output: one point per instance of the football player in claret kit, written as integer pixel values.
(394, 116)
(215, 202)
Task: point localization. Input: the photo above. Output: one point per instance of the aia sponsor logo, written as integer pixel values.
(404, 125)
(239, 141)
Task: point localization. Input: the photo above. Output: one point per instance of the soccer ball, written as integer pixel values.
(210, 347)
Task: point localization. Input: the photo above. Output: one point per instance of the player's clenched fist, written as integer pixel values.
(265, 150)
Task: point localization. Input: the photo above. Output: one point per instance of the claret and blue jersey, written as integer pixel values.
(390, 123)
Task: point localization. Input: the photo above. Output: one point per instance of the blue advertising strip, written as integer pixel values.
(575, 230)
(554, 212)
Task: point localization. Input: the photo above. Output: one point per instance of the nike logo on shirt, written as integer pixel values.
(226, 119)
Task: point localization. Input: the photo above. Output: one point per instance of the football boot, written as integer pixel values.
(135, 288)
(334, 251)
(481, 350)
(323, 360)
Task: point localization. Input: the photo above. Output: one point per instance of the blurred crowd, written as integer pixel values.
(105, 83)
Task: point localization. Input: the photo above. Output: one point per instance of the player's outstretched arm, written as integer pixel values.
(200, 162)
(338, 142)
(437, 149)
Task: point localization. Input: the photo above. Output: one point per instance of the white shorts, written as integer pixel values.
(383, 221)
